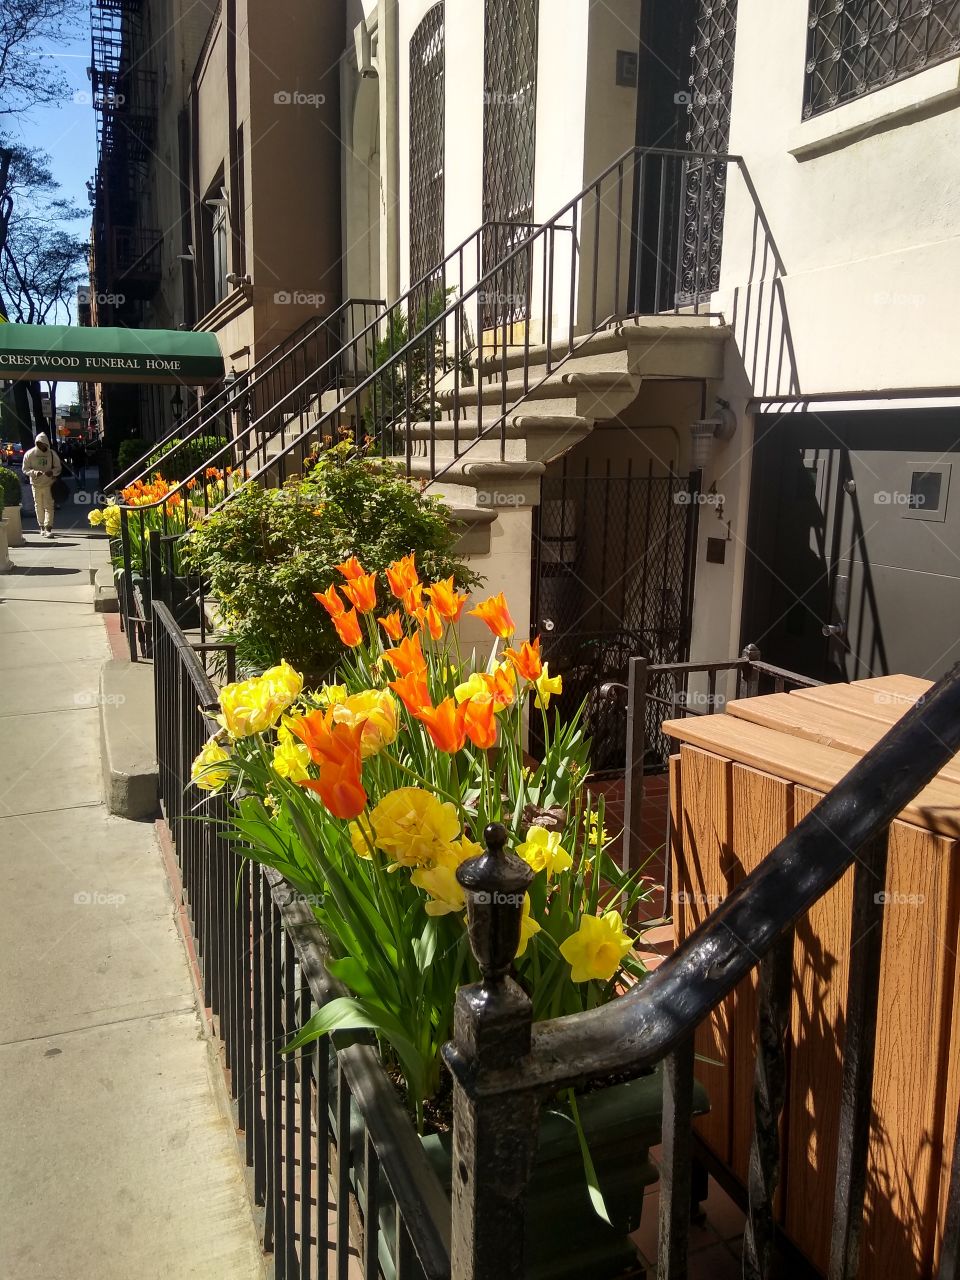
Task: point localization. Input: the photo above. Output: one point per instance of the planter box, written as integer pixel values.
(181, 602)
(14, 526)
(566, 1240)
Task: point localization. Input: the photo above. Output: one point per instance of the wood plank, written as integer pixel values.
(762, 817)
(884, 705)
(808, 764)
(676, 846)
(896, 684)
(702, 882)
(842, 728)
(821, 971)
(907, 1162)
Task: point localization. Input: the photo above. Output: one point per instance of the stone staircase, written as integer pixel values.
(489, 445)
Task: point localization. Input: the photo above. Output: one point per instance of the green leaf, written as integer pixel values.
(593, 1183)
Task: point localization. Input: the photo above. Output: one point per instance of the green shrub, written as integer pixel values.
(188, 457)
(10, 487)
(131, 450)
(268, 550)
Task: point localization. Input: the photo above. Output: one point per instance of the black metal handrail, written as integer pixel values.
(655, 1022)
(230, 393)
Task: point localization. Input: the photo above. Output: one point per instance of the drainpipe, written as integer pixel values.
(388, 60)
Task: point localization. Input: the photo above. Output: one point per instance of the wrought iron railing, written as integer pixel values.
(275, 435)
(329, 1121)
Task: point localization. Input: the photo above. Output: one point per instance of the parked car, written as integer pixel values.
(11, 453)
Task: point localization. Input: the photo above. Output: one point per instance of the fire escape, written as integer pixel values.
(125, 250)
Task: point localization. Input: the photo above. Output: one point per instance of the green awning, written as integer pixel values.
(74, 353)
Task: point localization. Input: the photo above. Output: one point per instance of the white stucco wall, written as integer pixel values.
(863, 204)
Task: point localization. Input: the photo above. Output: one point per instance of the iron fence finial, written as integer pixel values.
(495, 884)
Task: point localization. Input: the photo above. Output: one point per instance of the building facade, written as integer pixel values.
(822, 229)
(216, 202)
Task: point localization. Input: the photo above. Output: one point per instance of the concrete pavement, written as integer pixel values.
(118, 1157)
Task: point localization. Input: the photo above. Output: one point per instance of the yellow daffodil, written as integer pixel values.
(475, 687)
(291, 759)
(204, 772)
(375, 712)
(596, 949)
(440, 882)
(413, 826)
(528, 926)
(547, 685)
(361, 837)
(596, 835)
(251, 706)
(331, 694)
(543, 852)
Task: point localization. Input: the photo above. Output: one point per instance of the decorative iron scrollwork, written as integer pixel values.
(856, 46)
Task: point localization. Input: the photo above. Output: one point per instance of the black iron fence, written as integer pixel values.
(325, 1126)
(329, 1123)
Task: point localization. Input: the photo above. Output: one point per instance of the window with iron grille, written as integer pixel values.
(708, 131)
(509, 149)
(856, 46)
(426, 144)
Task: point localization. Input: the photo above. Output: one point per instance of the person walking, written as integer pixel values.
(41, 465)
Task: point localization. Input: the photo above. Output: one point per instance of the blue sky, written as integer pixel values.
(67, 132)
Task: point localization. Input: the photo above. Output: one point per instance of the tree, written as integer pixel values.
(26, 78)
(41, 263)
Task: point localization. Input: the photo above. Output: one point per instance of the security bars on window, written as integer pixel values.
(856, 46)
(426, 143)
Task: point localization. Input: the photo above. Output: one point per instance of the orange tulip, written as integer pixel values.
(412, 691)
(348, 628)
(446, 725)
(526, 662)
(331, 601)
(362, 592)
(335, 748)
(432, 622)
(392, 625)
(496, 615)
(480, 721)
(407, 657)
(413, 602)
(402, 575)
(352, 569)
(447, 600)
(504, 687)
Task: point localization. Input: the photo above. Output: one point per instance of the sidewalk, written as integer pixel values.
(118, 1156)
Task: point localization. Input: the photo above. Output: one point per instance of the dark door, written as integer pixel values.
(854, 544)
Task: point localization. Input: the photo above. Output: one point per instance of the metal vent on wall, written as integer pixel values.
(708, 130)
(426, 144)
(509, 149)
(856, 46)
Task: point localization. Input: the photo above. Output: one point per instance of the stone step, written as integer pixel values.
(127, 739)
(559, 385)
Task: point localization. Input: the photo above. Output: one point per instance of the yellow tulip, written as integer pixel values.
(361, 837)
(331, 694)
(204, 772)
(596, 949)
(414, 827)
(375, 710)
(543, 852)
(252, 706)
(546, 685)
(95, 517)
(528, 927)
(111, 521)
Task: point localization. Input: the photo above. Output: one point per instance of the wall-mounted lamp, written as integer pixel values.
(705, 433)
(176, 405)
